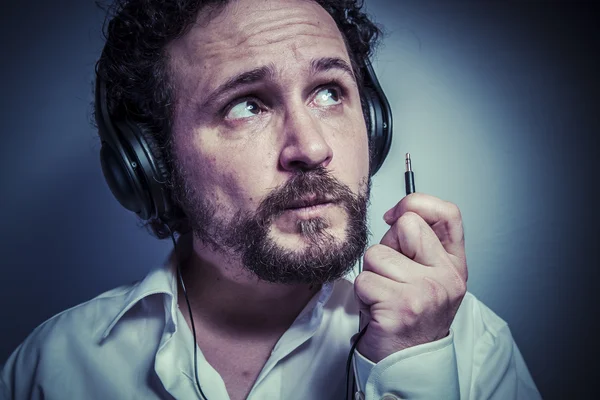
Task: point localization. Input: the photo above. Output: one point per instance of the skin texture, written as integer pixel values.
(235, 162)
(413, 281)
(243, 159)
(232, 157)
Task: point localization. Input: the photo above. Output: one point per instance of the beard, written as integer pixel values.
(245, 236)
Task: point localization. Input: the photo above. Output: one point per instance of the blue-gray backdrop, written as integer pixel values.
(497, 102)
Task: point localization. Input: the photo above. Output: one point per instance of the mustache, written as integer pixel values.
(317, 182)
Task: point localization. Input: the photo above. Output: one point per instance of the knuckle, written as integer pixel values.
(363, 280)
(412, 309)
(459, 285)
(409, 217)
(435, 291)
(411, 201)
(409, 320)
(453, 211)
(462, 271)
(408, 221)
(462, 288)
(453, 222)
(456, 225)
(372, 254)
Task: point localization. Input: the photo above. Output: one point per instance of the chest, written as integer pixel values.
(238, 363)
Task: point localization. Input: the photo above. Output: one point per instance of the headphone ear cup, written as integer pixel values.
(131, 162)
(161, 170)
(370, 119)
(378, 128)
(379, 118)
(120, 178)
(140, 203)
(151, 169)
(158, 175)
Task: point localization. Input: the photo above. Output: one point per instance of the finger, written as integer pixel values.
(444, 218)
(411, 236)
(387, 262)
(436, 283)
(371, 288)
(384, 260)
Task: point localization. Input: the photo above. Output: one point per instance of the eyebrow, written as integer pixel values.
(329, 63)
(267, 72)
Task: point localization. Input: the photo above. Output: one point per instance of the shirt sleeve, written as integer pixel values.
(427, 371)
(479, 359)
(500, 371)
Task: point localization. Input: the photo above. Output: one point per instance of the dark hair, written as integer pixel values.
(135, 68)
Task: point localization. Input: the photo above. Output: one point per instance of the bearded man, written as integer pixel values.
(251, 118)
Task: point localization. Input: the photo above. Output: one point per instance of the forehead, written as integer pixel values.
(247, 34)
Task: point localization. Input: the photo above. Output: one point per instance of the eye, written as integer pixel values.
(327, 97)
(244, 109)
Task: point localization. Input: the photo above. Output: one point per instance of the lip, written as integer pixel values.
(308, 202)
(309, 211)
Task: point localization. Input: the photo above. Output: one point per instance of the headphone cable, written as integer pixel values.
(187, 300)
(351, 353)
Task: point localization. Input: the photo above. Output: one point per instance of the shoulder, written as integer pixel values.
(54, 343)
(87, 319)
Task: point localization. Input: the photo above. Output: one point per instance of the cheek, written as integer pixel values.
(361, 152)
(356, 161)
(234, 175)
(351, 152)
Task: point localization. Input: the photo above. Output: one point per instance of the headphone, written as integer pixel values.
(136, 172)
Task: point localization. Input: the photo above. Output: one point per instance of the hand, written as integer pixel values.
(413, 281)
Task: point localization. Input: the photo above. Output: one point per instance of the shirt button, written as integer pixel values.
(388, 396)
(359, 396)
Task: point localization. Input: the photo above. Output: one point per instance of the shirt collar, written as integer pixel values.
(163, 280)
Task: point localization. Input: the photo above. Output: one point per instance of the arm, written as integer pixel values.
(478, 360)
(410, 292)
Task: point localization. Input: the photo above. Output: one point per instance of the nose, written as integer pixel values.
(305, 145)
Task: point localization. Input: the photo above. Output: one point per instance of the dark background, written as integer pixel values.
(498, 103)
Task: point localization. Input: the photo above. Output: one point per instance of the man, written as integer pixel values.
(252, 111)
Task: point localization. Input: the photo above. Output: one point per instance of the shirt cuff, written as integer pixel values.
(427, 371)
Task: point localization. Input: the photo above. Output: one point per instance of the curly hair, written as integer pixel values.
(134, 66)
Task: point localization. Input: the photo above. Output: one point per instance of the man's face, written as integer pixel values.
(269, 140)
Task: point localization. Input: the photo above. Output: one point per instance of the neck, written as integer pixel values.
(227, 298)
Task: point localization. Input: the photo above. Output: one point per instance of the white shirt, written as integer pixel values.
(133, 343)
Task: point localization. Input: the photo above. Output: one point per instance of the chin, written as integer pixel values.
(314, 251)
(310, 232)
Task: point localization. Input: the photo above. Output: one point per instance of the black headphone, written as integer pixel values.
(134, 167)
